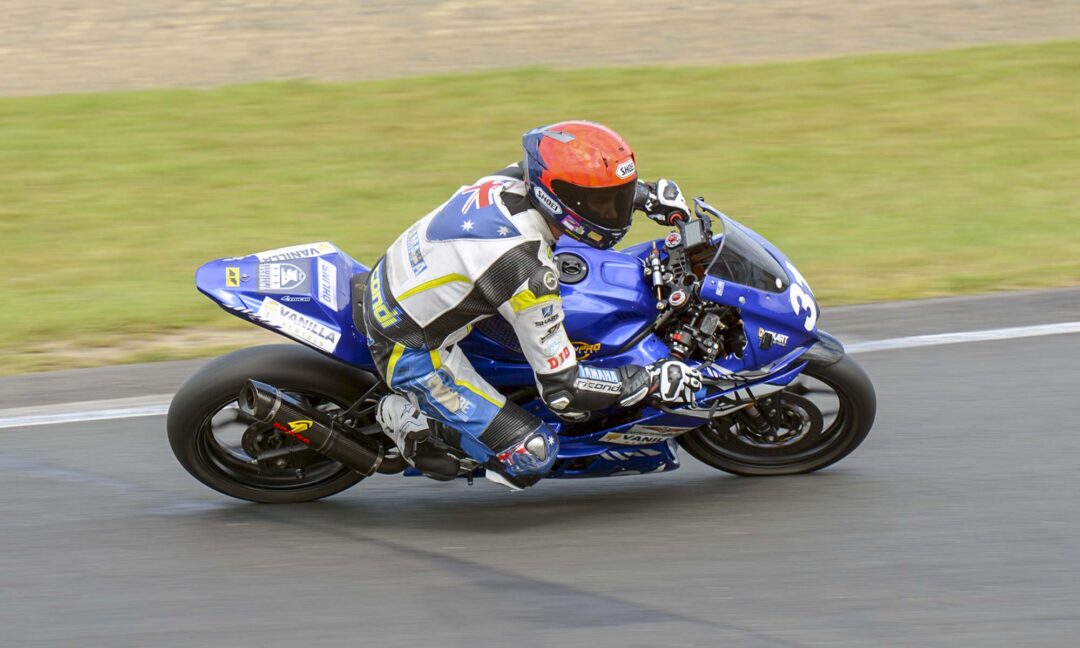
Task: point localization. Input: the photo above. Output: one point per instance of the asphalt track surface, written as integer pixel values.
(956, 523)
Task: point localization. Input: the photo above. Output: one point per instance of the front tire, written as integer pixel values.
(208, 398)
(814, 440)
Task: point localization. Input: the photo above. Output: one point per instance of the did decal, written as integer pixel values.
(232, 277)
(556, 360)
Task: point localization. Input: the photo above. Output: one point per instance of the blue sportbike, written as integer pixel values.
(295, 422)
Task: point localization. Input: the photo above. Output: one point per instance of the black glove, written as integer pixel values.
(662, 201)
(675, 381)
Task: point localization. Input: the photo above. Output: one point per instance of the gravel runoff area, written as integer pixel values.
(87, 45)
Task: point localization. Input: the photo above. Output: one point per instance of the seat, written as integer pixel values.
(358, 286)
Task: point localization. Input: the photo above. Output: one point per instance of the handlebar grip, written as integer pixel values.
(669, 218)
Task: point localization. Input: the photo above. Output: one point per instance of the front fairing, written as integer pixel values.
(778, 309)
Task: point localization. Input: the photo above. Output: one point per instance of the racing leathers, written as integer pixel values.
(484, 252)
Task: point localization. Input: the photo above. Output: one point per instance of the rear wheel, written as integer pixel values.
(217, 443)
(813, 423)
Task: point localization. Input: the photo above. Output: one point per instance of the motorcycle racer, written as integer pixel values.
(488, 251)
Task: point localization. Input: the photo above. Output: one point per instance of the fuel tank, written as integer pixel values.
(606, 302)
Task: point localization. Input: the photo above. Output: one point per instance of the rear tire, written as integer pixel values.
(857, 407)
(291, 368)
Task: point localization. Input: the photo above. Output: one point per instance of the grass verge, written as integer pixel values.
(883, 177)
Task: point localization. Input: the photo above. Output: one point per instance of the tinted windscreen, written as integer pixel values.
(743, 261)
(606, 206)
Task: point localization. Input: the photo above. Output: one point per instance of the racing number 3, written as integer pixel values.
(802, 299)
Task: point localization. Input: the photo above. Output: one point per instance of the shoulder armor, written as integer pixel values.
(544, 281)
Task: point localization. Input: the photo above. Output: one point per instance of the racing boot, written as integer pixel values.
(416, 436)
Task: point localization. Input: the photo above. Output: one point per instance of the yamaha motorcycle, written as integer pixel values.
(295, 422)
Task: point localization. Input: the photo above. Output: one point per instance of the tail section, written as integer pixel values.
(302, 292)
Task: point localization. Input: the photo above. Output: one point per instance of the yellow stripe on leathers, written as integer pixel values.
(436, 362)
(395, 355)
(450, 278)
(527, 299)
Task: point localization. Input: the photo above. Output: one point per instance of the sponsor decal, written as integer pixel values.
(547, 311)
(585, 349)
(546, 199)
(547, 320)
(232, 277)
(440, 387)
(296, 429)
(295, 298)
(556, 360)
(553, 347)
(328, 284)
(572, 225)
(550, 282)
(280, 276)
(777, 338)
(644, 434)
(294, 252)
(631, 439)
(597, 386)
(384, 315)
(297, 325)
(550, 332)
(416, 256)
(598, 380)
(626, 169)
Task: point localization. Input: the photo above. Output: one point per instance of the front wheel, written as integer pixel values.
(217, 442)
(816, 421)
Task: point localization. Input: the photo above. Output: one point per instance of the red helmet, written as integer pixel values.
(582, 176)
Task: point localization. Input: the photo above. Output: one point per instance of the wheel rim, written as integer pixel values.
(227, 437)
(812, 417)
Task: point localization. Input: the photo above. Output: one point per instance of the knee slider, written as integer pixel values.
(532, 456)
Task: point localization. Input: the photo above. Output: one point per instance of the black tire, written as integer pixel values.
(855, 416)
(291, 368)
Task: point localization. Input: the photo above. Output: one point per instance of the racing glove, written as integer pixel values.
(675, 382)
(662, 201)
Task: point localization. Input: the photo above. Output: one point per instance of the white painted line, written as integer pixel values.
(964, 337)
(158, 404)
(83, 411)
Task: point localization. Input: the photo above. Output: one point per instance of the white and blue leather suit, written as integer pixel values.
(484, 252)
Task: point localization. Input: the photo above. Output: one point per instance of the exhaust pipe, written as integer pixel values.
(310, 426)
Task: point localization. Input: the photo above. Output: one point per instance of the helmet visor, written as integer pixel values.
(609, 207)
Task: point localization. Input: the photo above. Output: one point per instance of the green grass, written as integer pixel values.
(883, 177)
